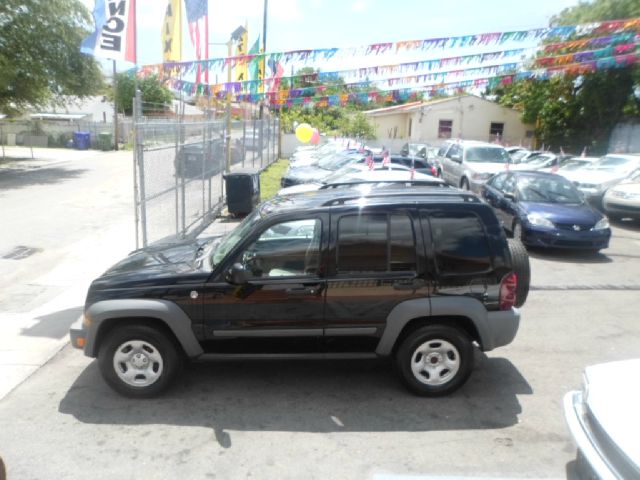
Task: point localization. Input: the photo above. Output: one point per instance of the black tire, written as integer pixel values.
(459, 350)
(464, 184)
(516, 231)
(522, 269)
(156, 344)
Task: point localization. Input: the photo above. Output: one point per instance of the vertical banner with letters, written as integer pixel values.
(172, 32)
(114, 36)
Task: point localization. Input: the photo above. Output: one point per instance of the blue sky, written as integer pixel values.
(307, 24)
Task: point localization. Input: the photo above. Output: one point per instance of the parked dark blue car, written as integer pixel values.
(546, 210)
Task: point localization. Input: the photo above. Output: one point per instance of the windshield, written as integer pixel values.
(486, 155)
(349, 169)
(334, 162)
(552, 189)
(539, 160)
(230, 240)
(611, 163)
(574, 164)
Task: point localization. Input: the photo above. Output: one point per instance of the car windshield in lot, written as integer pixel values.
(554, 189)
(611, 164)
(486, 155)
(334, 162)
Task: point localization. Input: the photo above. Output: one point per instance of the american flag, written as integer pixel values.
(198, 20)
(369, 160)
(413, 169)
(386, 159)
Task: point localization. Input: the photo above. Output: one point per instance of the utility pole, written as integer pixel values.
(264, 52)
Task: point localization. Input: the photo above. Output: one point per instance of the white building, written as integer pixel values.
(467, 117)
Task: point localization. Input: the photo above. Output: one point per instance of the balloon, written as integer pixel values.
(315, 137)
(304, 132)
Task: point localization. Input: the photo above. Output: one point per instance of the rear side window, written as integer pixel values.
(375, 243)
(460, 243)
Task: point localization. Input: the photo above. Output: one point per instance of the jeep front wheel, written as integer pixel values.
(435, 360)
(139, 361)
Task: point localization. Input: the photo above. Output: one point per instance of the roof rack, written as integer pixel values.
(350, 196)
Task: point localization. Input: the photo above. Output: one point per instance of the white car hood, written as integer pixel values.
(595, 177)
(632, 187)
(487, 167)
(613, 399)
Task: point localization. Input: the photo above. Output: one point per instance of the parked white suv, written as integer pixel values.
(468, 164)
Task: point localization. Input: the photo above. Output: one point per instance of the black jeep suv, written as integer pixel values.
(417, 275)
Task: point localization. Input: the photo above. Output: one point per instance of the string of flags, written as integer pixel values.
(562, 33)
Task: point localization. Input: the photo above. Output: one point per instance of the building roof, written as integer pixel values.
(413, 106)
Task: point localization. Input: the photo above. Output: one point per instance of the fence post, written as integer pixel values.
(138, 182)
(261, 144)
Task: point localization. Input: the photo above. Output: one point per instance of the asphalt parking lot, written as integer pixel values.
(339, 419)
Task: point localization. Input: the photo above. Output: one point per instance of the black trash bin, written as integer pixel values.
(243, 190)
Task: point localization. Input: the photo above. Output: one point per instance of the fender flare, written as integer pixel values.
(457, 306)
(168, 313)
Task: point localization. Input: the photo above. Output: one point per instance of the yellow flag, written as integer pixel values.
(172, 32)
(242, 68)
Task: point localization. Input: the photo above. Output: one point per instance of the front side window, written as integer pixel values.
(375, 243)
(497, 182)
(287, 249)
(460, 243)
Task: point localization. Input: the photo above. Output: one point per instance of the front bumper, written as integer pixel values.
(556, 238)
(576, 416)
(78, 334)
(621, 207)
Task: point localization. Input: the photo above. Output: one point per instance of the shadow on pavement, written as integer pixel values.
(305, 396)
(54, 325)
(568, 256)
(12, 179)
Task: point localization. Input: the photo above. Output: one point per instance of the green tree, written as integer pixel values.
(155, 96)
(580, 111)
(40, 55)
(358, 126)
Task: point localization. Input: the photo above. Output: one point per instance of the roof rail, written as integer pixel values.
(464, 196)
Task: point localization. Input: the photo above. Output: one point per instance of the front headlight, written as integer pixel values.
(602, 224)
(539, 221)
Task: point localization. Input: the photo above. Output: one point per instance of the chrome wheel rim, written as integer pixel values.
(138, 363)
(435, 362)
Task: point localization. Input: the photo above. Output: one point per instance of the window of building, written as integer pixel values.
(410, 126)
(375, 243)
(444, 128)
(496, 131)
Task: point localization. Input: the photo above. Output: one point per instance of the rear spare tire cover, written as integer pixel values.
(520, 260)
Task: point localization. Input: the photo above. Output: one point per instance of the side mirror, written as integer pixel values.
(510, 196)
(237, 275)
(456, 158)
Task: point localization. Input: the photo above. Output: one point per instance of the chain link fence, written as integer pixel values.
(180, 165)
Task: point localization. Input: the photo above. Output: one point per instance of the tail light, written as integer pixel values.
(434, 171)
(508, 291)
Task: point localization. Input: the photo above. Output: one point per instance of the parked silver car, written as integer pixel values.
(623, 200)
(604, 421)
(469, 164)
(593, 180)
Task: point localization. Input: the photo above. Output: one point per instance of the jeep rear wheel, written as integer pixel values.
(435, 360)
(139, 360)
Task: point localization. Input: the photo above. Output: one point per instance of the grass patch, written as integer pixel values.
(270, 179)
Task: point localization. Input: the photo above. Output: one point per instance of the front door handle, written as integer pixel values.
(303, 290)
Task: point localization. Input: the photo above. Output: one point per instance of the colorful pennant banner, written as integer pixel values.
(302, 96)
(562, 33)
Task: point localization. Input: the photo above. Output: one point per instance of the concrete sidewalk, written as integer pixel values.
(29, 339)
